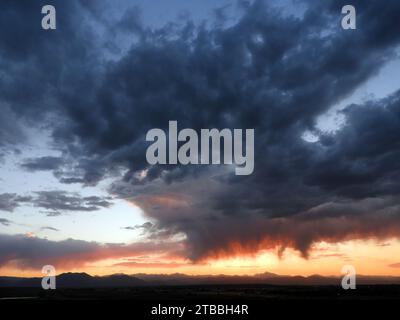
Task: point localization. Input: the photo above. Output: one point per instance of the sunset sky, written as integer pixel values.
(76, 103)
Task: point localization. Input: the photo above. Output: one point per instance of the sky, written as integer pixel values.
(76, 103)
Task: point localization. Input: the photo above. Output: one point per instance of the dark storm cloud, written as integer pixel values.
(272, 72)
(25, 51)
(362, 159)
(221, 78)
(277, 85)
(35, 64)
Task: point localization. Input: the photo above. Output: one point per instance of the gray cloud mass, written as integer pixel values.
(272, 72)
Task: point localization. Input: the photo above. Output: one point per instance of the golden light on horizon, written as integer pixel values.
(369, 257)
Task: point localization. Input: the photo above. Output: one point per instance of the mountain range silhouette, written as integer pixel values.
(84, 280)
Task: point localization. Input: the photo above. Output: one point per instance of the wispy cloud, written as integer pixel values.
(5, 222)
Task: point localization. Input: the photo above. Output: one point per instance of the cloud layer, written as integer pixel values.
(30, 252)
(268, 71)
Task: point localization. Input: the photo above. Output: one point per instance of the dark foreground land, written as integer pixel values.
(214, 292)
(138, 302)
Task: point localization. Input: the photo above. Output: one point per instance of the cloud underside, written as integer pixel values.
(268, 71)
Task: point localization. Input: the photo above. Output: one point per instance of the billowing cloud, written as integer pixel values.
(272, 72)
(213, 232)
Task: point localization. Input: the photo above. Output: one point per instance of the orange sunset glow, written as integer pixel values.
(369, 257)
